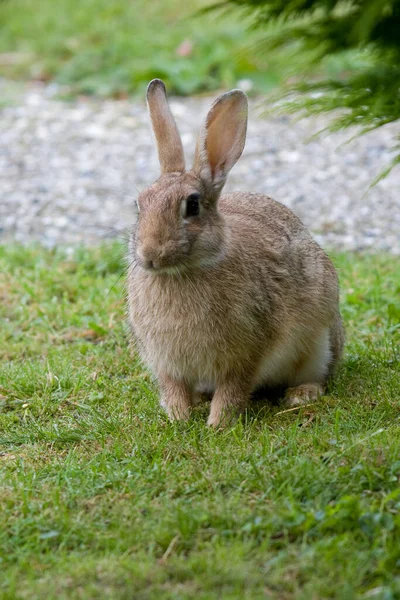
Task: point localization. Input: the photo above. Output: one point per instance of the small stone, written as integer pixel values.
(69, 170)
(61, 222)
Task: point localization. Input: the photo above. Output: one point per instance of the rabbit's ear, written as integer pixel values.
(169, 144)
(222, 138)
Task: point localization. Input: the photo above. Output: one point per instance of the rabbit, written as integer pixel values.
(226, 293)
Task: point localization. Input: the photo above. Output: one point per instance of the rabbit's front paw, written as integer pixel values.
(228, 402)
(177, 411)
(175, 398)
(220, 419)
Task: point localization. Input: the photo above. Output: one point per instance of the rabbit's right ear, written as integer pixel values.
(222, 138)
(169, 144)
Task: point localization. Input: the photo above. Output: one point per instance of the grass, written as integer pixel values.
(101, 497)
(115, 47)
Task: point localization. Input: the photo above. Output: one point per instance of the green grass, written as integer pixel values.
(101, 497)
(115, 47)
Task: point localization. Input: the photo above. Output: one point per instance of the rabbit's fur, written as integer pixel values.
(232, 298)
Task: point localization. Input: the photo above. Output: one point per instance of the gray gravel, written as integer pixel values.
(69, 171)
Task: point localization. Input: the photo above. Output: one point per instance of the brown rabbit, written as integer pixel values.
(226, 293)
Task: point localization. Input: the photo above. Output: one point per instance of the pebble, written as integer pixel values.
(69, 171)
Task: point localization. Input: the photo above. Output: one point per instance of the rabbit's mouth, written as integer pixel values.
(155, 262)
(171, 270)
(180, 268)
(156, 267)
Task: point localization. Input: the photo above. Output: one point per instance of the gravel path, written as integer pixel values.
(69, 171)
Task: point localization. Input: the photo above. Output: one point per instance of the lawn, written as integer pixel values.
(115, 47)
(102, 497)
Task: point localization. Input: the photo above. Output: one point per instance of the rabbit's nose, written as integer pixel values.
(148, 264)
(148, 258)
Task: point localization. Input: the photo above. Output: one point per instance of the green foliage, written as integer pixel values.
(102, 497)
(318, 33)
(114, 47)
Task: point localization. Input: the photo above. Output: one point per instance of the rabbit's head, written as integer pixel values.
(179, 226)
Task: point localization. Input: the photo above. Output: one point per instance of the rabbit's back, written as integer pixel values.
(281, 253)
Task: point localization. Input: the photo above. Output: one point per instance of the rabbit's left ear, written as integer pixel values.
(169, 144)
(222, 138)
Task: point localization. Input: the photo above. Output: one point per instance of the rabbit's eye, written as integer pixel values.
(192, 205)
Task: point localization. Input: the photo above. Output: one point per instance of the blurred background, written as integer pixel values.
(115, 47)
(76, 147)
